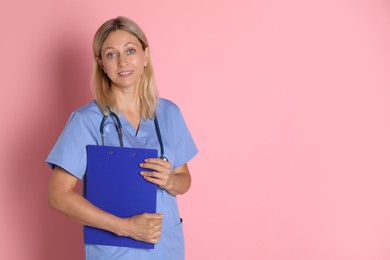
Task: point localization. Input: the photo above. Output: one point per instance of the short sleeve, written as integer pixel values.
(186, 148)
(70, 152)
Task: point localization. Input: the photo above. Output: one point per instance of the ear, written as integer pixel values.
(147, 54)
(99, 61)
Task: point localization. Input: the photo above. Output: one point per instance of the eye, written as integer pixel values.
(111, 55)
(130, 51)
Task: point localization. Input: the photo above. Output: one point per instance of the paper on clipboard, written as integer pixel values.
(113, 184)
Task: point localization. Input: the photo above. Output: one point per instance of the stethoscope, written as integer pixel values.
(118, 126)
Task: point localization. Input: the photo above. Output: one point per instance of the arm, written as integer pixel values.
(64, 198)
(176, 182)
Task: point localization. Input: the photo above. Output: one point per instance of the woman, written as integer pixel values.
(123, 82)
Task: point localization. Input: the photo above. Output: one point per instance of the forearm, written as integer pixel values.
(78, 208)
(64, 198)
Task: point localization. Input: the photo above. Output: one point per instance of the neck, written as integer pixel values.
(127, 100)
(128, 104)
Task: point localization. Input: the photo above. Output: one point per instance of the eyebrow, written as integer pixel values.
(129, 43)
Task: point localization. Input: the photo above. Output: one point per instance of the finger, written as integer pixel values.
(154, 167)
(156, 175)
(153, 215)
(155, 238)
(154, 180)
(151, 166)
(152, 174)
(156, 228)
(156, 235)
(158, 161)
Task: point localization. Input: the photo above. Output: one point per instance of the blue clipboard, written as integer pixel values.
(113, 184)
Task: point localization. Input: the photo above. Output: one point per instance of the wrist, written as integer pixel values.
(119, 226)
(169, 186)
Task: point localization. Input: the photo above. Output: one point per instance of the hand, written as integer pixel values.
(144, 227)
(160, 174)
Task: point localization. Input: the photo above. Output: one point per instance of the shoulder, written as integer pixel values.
(169, 112)
(166, 106)
(88, 114)
(89, 109)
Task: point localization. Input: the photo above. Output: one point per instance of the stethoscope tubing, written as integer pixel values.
(118, 126)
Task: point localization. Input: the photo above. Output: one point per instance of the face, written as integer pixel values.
(123, 59)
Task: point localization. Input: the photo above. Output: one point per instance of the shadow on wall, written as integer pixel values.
(63, 86)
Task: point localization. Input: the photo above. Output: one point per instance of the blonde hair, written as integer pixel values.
(101, 83)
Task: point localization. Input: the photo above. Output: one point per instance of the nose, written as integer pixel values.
(122, 60)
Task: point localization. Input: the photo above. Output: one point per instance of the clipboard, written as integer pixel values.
(113, 184)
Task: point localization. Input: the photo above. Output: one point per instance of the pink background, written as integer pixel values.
(288, 102)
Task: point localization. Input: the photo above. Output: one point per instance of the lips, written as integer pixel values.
(125, 73)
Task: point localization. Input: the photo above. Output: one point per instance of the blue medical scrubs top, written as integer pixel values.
(82, 129)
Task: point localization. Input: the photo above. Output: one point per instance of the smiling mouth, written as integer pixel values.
(125, 73)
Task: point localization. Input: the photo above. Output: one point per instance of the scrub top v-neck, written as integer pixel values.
(82, 129)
